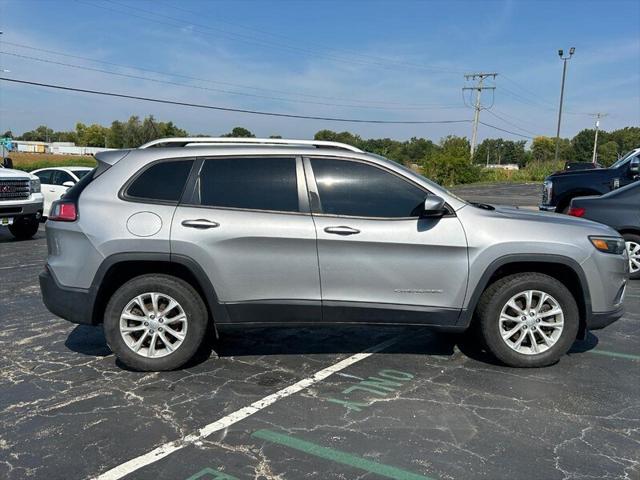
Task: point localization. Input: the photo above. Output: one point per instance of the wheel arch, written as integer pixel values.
(564, 269)
(117, 269)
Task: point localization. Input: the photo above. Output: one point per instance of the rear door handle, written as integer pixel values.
(200, 223)
(342, 230)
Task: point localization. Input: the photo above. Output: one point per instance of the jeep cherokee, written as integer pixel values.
(164, 243)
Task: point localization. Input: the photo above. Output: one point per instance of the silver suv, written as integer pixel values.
(164, 243)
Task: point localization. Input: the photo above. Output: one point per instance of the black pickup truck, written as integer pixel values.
(560, 188)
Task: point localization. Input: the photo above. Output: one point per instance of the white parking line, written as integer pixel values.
(170, 447)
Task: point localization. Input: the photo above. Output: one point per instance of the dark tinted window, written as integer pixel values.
(58, 177)
(80, 173)
(44, 176)
(253, 183)
(357, 189)
(162, 181)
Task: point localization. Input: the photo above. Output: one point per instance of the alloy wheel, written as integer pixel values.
(531, 322)
(633, 250)
(153, 325)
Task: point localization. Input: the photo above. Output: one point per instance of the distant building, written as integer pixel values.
(56, 148)
(503, 166)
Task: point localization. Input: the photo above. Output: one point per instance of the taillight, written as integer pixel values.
(63, 211)
(576, 211)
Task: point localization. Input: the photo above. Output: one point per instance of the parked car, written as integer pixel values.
(20, 202)
(560, 188)
(620, 210)
(56, 181)
(182, 236)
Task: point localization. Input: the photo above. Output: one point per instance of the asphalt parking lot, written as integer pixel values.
(314, 403)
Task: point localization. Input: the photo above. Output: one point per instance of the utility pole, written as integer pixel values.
(595, 141)
(478, 106)
(564, 74)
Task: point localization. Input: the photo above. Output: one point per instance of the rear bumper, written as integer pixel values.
(72, 304)
(598, 320)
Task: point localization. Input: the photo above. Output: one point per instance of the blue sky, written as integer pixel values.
(390, 60)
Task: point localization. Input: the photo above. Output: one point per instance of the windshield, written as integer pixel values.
(622, 159)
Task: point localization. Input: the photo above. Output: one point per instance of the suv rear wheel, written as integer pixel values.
(155, 322)
(528, 319)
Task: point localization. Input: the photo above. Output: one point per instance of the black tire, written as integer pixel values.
(184, 294)
(24, 228)
(500, 292)
(630, 237)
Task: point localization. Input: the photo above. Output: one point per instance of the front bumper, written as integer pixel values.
(599, 320)
(29, 206)
(72, 304)
(547, 208)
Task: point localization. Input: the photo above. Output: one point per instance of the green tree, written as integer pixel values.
(626, 138)
(116, 135)
(239, 132)
(542, 149)
(582, 143)
(607, 153)
(451, 163)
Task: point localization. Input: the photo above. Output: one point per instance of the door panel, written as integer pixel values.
(251, 256)
(374, 250)
(409, 262)
(262, 264)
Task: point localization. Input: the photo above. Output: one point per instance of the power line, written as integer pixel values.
(504, 130)
(229, 92)
(511, 123)
(284, 37)
(200, 79)
(228, 109)
(241, 37)
(217, 82)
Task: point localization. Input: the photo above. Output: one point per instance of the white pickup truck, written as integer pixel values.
(21, 202)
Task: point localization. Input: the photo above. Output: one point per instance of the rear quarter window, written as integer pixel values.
(163, 181)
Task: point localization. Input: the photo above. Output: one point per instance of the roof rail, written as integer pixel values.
(191, 141)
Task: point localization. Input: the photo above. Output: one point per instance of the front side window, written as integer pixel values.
(360, 190)
(44, 176)
(163, 181)
(59, 177)
(250, 183)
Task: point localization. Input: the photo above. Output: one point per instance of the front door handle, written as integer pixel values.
(200, 223)
(342, 230)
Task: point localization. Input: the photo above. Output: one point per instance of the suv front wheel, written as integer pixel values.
(528, 319)
(155, 322)
(24, 227)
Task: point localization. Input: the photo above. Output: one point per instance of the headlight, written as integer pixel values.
(35, 185)
(547, 191)
(609, 244)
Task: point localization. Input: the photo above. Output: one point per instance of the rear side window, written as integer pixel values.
(360, 190)
(163, 181)
(250, 183)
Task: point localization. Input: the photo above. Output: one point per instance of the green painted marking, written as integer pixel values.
(338, 456)
(211, 474)
(609, 353)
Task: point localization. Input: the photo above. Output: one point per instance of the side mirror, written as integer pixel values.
(433, 206)
(634, 165)
(7, 162)
(68, 184)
